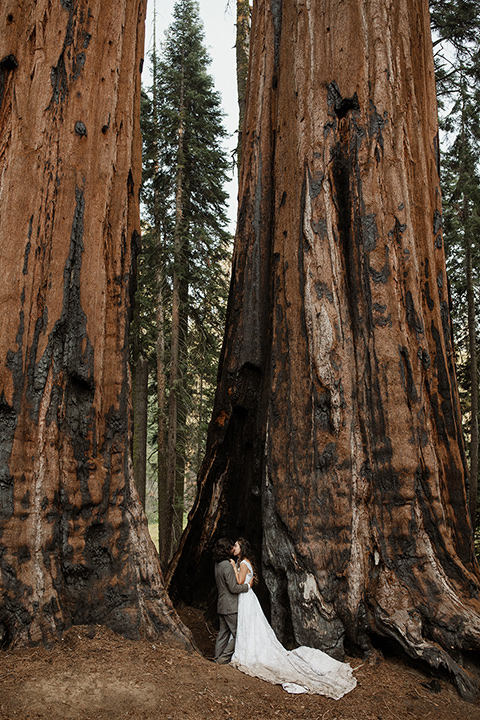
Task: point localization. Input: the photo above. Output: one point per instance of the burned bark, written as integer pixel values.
(74, 543)
(336, 442)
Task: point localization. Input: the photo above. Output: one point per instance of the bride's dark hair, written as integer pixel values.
(246, 552)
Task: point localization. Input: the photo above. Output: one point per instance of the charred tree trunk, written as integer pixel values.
(74, 543)
(336, 442)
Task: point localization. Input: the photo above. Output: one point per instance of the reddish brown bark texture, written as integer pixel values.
(336, 440)
(74, 545)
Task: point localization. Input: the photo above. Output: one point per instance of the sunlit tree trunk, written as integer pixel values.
(74, 544)
(336, 442)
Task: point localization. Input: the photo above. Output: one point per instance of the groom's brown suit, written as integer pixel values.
(227, 606)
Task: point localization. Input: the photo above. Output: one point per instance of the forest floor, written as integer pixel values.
(93, 674)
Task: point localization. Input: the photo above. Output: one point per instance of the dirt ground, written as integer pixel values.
(93, 674)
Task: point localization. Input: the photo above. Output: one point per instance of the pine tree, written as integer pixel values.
(185, 201)
(457, 25)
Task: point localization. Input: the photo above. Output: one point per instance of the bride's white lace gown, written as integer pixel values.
(259, 653)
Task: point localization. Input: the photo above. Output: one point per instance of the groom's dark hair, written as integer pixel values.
(222, 550)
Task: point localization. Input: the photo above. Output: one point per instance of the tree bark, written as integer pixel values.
(74, 543)
(335, 443)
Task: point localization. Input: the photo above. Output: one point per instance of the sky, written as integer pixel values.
(219, 24)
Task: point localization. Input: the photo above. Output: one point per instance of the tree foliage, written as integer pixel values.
(183, 272)
(457, 25)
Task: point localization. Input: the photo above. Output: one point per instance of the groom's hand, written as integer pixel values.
(251, 582)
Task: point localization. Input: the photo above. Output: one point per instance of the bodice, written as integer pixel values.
(249, 570)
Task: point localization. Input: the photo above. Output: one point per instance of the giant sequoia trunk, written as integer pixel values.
(74, 544)
(336, 442)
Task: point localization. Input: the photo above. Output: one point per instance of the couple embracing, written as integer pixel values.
(229, 588)
(248, 642)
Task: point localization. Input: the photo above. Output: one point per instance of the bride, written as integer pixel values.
(259, 653)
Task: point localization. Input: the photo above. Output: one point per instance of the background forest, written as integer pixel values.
(184, 266)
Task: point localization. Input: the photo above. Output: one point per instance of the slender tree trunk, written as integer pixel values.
(179, 498)
(242, 45)
(175, 379)
(165, 499)
(336, 443)
(472, 343)
(472, 334)
(171, 464)
(74, 543)
(182, 403)
(172, 411)
(139, 401)
(201, 420)
(140, 426)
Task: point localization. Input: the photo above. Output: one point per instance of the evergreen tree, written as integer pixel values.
(185, 171)
(457, 25)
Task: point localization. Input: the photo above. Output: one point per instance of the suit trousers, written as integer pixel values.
(225, 642)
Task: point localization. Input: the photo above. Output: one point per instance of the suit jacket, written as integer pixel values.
(228, 588)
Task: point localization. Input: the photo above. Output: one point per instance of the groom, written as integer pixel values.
(227, 604)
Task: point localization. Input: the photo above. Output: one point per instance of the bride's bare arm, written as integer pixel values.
(242, 573)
